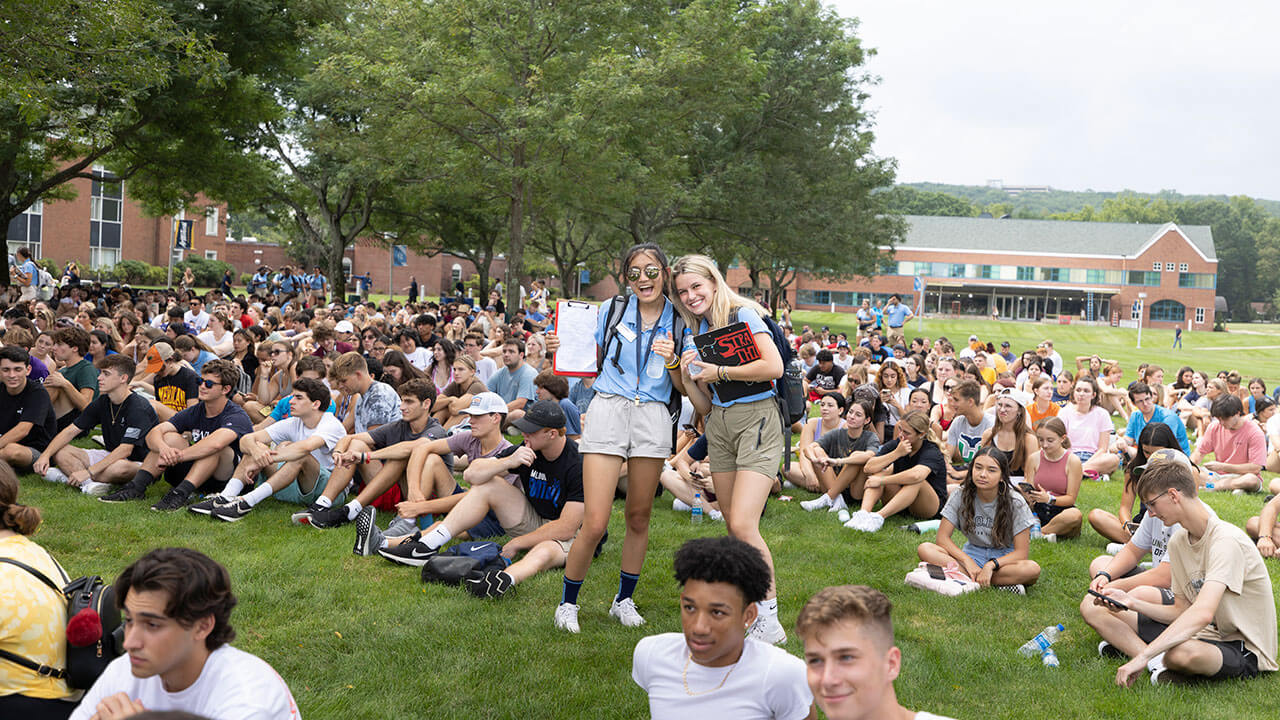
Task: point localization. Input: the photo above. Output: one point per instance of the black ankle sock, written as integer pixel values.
(142, 480)
(185, 488)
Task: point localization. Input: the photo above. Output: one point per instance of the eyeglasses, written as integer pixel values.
(651, 272)
(210, 383)
(1151, 502)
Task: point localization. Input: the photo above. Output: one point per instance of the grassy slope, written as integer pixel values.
(360, 638)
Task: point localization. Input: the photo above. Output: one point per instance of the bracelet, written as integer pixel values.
(364, 458)
(674, 364)
(723, 373)
(1104, 572)
(995, 562)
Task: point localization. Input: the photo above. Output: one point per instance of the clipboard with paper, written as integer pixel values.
(576, 327)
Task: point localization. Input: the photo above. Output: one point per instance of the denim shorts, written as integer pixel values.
(984, 555)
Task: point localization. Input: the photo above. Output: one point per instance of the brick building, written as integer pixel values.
(101, 226)
(1037, 269)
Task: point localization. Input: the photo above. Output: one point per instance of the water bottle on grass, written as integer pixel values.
(695, 511)
(1041, 641)
(1049, 657)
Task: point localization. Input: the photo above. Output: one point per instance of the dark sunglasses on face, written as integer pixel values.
(210, 383)
(651, 272)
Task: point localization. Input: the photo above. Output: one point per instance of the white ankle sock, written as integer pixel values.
(233, 488)
(258, 494)
(438, 537)
(353, 509)
(768, 608)
(323, 501)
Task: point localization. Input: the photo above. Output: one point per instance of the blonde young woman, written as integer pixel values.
(273, 380)
(1114, 398)
(456, 397)
(744, 435)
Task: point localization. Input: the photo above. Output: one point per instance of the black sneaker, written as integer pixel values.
(209, 504)
(233, 511)
(173, 500)
(330, 517)
(125, 494)
(367, 536)
(1108, 651)
(410, 552)
(493, 584)
(304, 517)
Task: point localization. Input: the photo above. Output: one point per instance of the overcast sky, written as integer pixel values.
(1082, 95)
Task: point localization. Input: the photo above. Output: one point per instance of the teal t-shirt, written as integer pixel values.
(82, 375)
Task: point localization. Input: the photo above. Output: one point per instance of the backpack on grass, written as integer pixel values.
(463, 560)
(95, 634)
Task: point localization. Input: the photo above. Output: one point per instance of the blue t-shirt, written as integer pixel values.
(317, 281)
(30, 270)
(1164, 415)
(572, 420)
(205, 356)
(756, 326)
(625, 378)
(897, 314)
(514, 386)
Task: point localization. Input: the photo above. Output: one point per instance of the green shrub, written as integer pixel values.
(208, 273)
(136, 272)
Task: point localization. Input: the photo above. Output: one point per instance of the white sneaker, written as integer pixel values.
(56, 476)
(1113, 548)
(1049, 537)
(624, 610)
(871, 522)
(98, 439)
(95, 488)
(818, 503)
(1156, 667)
(715, 514)
(767, 629)
(838, 504)
(567, 617)
(680, 506)
(1238, 491)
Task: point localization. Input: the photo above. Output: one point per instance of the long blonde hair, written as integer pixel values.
(723, 300)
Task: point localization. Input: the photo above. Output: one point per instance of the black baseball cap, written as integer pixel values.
(542, 414)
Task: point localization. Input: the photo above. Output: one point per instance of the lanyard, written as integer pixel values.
(648, 349)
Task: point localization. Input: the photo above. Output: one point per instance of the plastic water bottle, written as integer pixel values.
(1035, 530)
(1041, 641)
(694, 370)
(695, 511)
(656, 367)
(924, 526)
(1049, 657)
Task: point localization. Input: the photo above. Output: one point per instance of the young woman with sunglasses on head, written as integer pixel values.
(627, 422)
(744, 435)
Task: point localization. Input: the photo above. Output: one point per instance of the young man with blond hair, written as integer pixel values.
(850, 656)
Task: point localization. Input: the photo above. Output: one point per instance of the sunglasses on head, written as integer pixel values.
(651, 272)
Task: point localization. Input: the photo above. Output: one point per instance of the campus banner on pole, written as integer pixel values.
(182, 234)
(399, 255)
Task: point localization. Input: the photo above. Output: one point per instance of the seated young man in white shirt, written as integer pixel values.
(712, 670)
(849, 652)
(176, 605)
(299, 464)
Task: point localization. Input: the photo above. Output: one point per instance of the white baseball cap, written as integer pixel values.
(485, 403)
(344, 326)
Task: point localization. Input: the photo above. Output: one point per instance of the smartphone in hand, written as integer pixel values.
(1108, 600)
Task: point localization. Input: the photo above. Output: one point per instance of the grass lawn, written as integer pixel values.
(362, 638)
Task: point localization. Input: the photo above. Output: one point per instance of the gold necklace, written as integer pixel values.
(685, 677)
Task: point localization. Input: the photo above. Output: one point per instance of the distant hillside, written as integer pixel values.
(1032, 205)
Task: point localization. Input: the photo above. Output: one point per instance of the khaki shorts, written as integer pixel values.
(895, 335)
(615, 425)
(746, 436)
(531, 521)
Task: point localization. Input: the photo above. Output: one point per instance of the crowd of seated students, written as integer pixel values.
(348, 410)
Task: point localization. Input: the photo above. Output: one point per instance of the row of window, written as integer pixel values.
(1170, 311)
(1029, 273)
(848, 298)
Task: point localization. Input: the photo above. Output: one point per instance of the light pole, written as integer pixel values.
(1141, 309)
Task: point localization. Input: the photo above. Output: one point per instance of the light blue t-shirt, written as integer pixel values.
(317, 281)
(30, 270)
(572, 420)
(519, 385)
(624, 378)
(896, 314)
(756, 326)
(1164, 415)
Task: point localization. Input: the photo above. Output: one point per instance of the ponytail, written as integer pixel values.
(22, 519)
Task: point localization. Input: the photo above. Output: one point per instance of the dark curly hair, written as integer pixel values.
(726, 560)
(197, 585)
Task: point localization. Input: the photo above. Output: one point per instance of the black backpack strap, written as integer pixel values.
(613, 316)
(32, 665)
(39, 575)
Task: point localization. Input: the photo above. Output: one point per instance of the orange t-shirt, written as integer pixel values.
(1037, 416)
